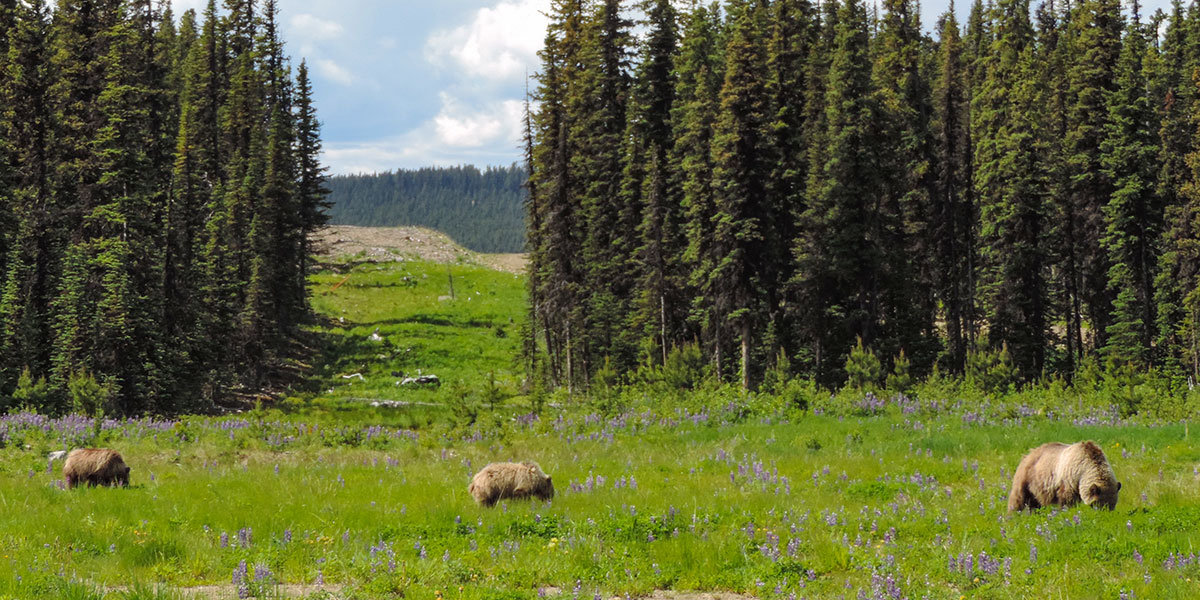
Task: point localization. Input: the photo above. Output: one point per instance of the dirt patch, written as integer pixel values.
(230, 592)
(383, 244)
(666, 595)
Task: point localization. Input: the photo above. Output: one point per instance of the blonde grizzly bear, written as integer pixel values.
(95, 466)
(1056, 473)
(500, 481)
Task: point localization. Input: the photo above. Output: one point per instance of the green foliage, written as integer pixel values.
(482, 210)
(88, 396)
(863, 369)
(158, 187)
(31, 394)
(900, 380)
(992, 370)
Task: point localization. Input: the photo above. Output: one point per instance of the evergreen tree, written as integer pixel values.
(842, 250)
(1009, 146)
(1095, 39)
(649, 184)
(311, 191)
(558, 243)
(700, 68)
(28, 125)
(598, 106)
(1133, 215)
(907, 178)
(1176, 136)
(953, 212)
(742, 156)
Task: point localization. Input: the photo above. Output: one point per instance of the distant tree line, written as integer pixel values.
(482, 210)
(771, 179)
(157, 184)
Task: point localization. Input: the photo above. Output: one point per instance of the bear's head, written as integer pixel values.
(1102, 494)
(543, 487)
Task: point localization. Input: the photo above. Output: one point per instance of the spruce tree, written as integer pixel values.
(842, 251)
(28, 124)
(597, 106)
(1133, 215)
(742, 156)
(908, 179)
(650, 184)
(700, 68)
(1009, 147)
(1095, 38)
(953, 213)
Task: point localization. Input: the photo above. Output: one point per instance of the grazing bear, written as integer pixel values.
(499, 481)
(95, 466)
(1056, 473)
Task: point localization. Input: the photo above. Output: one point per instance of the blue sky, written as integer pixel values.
(414, 83)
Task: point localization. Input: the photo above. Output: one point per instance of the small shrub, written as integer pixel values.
(89, 396)
(900, 380)
(32, 394)
(863, 370)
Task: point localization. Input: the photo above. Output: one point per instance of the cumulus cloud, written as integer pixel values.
(333, 71)
(501, 42)
(458, 126)
(311, 28)
(460, 133)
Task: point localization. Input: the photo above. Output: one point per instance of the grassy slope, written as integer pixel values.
(811, 506)
(461, 340)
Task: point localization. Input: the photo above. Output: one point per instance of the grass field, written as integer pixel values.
(326, 496)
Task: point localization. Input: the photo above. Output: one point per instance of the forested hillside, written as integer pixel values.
(778, 181)
(482, 210)
(158, 181)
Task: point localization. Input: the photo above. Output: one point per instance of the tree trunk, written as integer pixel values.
(746, 355)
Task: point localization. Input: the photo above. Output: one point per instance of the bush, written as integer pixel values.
(89, 396)
(34, 395)
(899, 380)
(863, 370)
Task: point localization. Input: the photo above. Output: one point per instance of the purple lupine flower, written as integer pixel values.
(1137, 556)
(241, 580)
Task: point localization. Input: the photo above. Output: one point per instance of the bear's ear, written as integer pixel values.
(1118, 486)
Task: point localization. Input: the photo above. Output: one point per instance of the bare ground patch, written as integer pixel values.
(383, 244)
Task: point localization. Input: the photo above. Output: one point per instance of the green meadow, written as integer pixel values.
(795, 493)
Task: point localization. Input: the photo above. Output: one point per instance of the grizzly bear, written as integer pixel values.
(95, 466)
(499, 481)
(1056, 473)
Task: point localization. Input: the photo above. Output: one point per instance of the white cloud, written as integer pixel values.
(461, 127)
(458, 134)
(309, 27)
(181, 6)
(331, 70)
(500, 43)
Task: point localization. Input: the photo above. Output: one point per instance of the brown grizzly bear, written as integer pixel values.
(499, 481)
(95, 466)
(1056, 473)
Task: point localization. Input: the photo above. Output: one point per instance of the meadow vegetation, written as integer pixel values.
(665, 481)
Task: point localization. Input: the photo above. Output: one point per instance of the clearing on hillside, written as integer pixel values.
(383, 244)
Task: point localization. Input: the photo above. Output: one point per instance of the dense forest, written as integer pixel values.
(768, 183)
(157, 184)
(482, 210)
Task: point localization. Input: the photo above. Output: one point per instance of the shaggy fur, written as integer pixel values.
(500, 481)
(1056, 473)
(95, 466)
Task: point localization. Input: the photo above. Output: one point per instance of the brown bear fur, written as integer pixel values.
(95, 466)
(499, 481)
(1056, 473)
